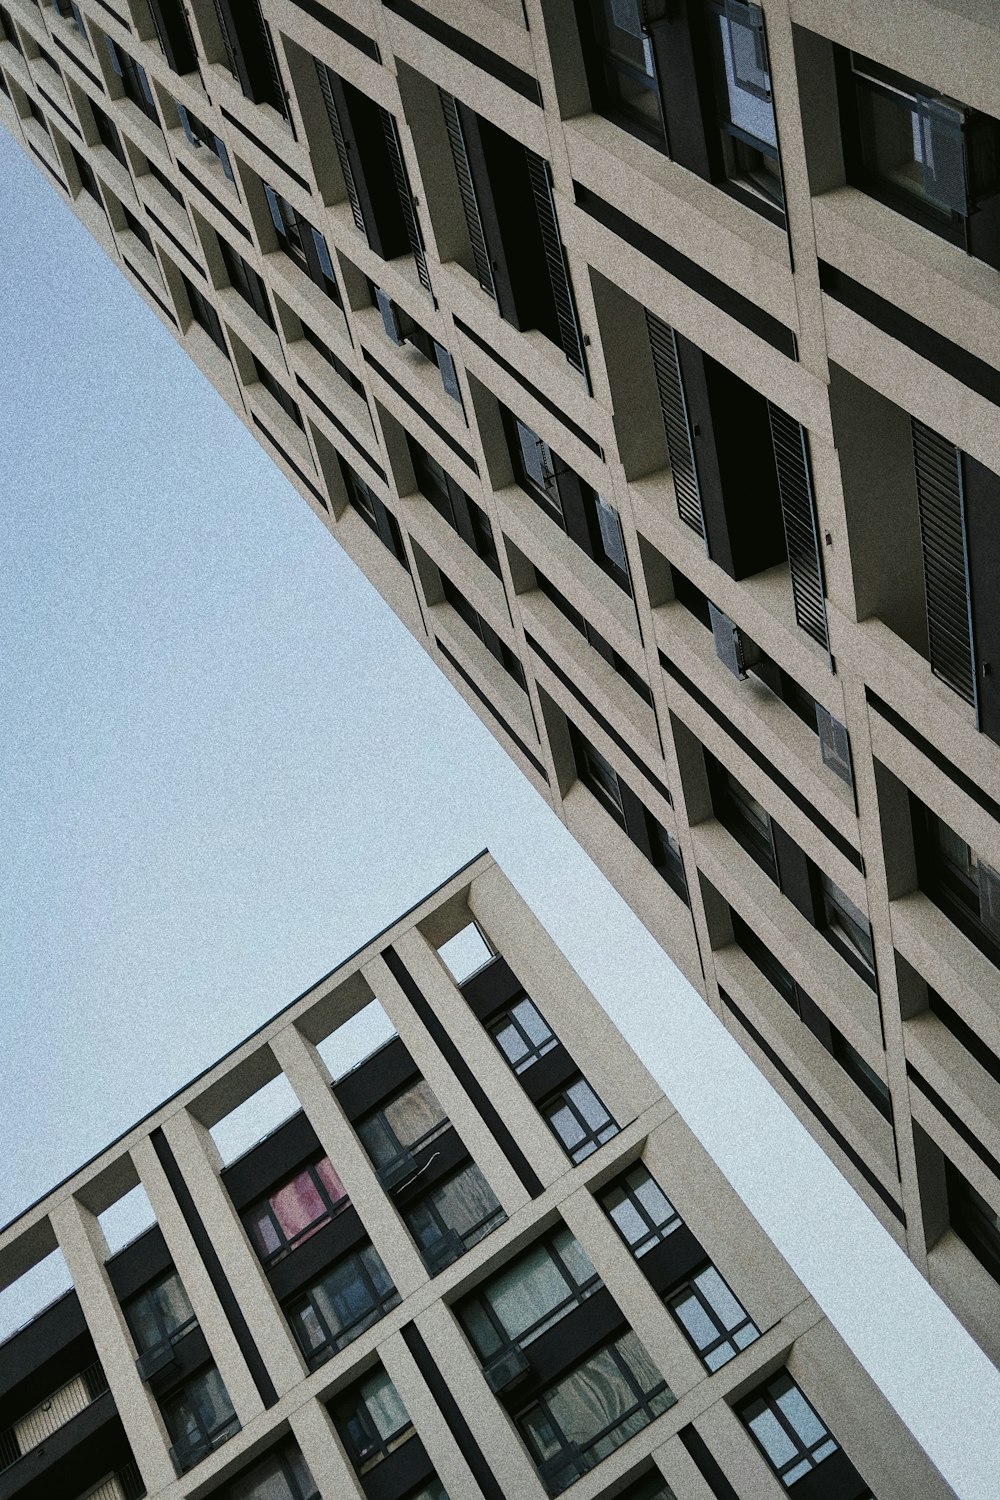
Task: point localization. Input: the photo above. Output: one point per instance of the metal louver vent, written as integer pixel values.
(555, 259)
(339, 140)
(227, 40)
(467, 192)
(798, 513)
(402, 179)
(941, 508)
(676, 426)
(834, 745)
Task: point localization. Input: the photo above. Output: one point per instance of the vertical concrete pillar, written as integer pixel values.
(198, 1284)
(306, 1072)
(313, 1430)
(84, 1247)
(198, 1160)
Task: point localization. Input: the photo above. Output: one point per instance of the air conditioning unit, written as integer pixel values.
(389, 318)
(154, 1360)
(733, 648)
(834, 745)
(506, 1369)
(989, 897)
(397, 1171)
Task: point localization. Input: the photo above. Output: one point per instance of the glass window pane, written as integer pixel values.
(307, 1327)
(172, 1299)
(268, 1481)
(511, 1043)
(573, 1256)
(801, 1416)
(263, 1230)
(533, 1023)
(652, 1197)
(772, 1437)
(526, 1293)
(385, 1406)
(636, 1356)
(611, 533)
(700, 1327)
(330, 1180)
(588, 1104)
(711, 1284)
(343, 1297)
(746, 109)
(465, 1200)
(566, 1126)
(415, 1113)
(627, 1217)
(297, 1205)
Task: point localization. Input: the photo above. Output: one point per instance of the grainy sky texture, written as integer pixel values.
(224, 765)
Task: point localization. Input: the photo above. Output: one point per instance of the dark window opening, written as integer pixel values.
(346, 1300)
(277, 390)
(303, 244)
(375, 514)
(494, 644)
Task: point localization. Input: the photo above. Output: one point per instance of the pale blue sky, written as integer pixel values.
(224, 765)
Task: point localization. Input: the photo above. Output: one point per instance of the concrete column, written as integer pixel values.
(437, 1437)
(307, 1073)
(198, 1160)
(82, 1243)
(489, 1424)
(313, 1430)
(197, 1283)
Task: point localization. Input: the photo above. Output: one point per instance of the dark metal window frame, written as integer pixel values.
(135, 80)
(481, 628)
(352, 1415)
(248, 282)
(594, 1136)
(725, 1339)
(766, 1397)
(302, 242)
(576, 1294)
(331, 1209)
(657, 1232)
(378, 1116)
(467, 1238)
(534, 1051)
(168, 1335)
(185, 1451)
(277, 391)
(378, 1307)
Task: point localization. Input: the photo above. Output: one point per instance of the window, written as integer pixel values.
(497, 647)
(377, 516)
(280, 1476)
(346, 375)
(598, 776)
(140, 231)
(929, 157)
(640, 1210)
(199, 1418)
(713, 1320)
(245, 280)
(539, 468)
(199, 135)
(523, 1035)
(786, 1429)
(847, 928)
(665, 855)
(71, 12)
(453, 505)
(405, 1125)
(205, 315)
(612, 543)
(624, 79)
(742, 815)
(293, 1212)
(976, 1222)
(402, 329)
(373, 1422)
(108, 132)
(336, 1309)
(455, 1215)
(529, 1296)
(586, 1415)
(277, 390)
(8, 31)
(173, 32)
(743, 91)
(600, 645)
(159, 1315)
(87, 179)
(302, 243)
(579, 1120)
(249, 52)
(134, 81)
(951, 873)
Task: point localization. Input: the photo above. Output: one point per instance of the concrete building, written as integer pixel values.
(643, 354)
(488, 1262)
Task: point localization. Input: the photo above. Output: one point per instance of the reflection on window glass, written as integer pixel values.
(640, 1210)
(523, 1035)
(373, 1422)
(295, 1210)
(531, 1295)
(350, 1297)
(579, 1120)
(586, 1415)
(159, 1313)
(406, 1123)
(787, 1429)
(280, 1476)
(712, 1318)
(455, 1215)
(198, 1418)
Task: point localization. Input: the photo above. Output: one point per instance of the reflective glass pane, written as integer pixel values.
(627, 1217)
(297, 1205)
(566, 1126)
(700, 1327)
(263, 1231)
(330, 1180)
(529, 1291)
(511, 1043)
(573, 1256)
(652, 1197)
(711, 1284)
(532, 1022)
(772, 1437)
(384, 1404)
(747, 110)
(414, 1113)
(801, 1416)
(588, 1104)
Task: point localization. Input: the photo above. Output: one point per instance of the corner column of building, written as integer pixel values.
(83, 1245)
(202, 1295)
(308, 1076)
(198, 1160)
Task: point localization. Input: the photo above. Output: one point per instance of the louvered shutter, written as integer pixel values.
(798, 513)
(228, 40)
(467, 192)
(555, 259)
(676, 425)
(941, 508)
(340, 141)
(406, 203)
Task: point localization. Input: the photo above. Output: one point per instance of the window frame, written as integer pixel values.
(534, 1051)
(187, 1452)
(379, 1306)
(805, 1453)
(577, 1292)
(726, 1338)
(447, 1234)
(147, 1297)
(353, 1411)
(594, 1137)
(377, 1117)
(333, 1207)
(657, 1232)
